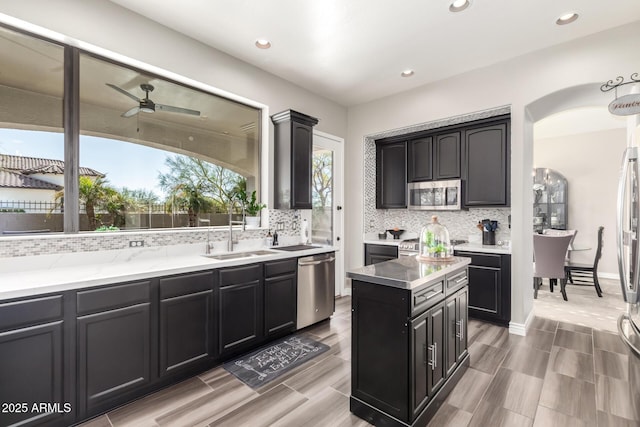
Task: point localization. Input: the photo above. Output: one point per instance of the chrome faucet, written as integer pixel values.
(207, 249)
(231, 222)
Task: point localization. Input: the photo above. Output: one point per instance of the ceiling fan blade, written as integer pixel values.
(131, 112)
(172, 109)
(124, 92)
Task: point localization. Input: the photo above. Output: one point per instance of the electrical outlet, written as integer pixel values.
(136, 243)
(280, 225)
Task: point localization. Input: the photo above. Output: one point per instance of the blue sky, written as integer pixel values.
(126, 165)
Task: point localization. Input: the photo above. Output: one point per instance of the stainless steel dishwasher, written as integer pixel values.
(316, 288)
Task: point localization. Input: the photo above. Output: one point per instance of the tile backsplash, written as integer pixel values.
(461, 224)
(18, 246)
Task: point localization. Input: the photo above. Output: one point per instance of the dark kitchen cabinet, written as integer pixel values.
(446, 156)
(280, 297)
(420, 159)
(405, 332)
(240, 308)
(456, 315)
(293, 138)
(489, 286)
(187, 323)
(34, 362)
(374, 254)
(427, 333)
(115, 345)
(486, 165)
(391, 175)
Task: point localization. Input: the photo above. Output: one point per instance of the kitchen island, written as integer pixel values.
(409, 341)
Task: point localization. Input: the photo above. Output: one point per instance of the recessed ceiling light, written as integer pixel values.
(263, 44)
(459, 5)
(567, 18)
(407, 73)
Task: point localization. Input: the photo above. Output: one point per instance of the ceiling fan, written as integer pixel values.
(146, 105)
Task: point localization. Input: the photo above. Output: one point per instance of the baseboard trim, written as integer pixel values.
(521, 328)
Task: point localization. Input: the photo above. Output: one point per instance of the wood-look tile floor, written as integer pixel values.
(560, 374)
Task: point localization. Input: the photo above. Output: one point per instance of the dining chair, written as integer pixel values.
(549, 252)
(586, 273)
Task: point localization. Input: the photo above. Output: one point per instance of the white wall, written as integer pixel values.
(591, 164)
(109, 26)
(517, 82)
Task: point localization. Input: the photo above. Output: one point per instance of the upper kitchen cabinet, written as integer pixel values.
(486, 164)
(420, 159)
(293, 151)
(391, 175)
(446, 156)
(434, 157)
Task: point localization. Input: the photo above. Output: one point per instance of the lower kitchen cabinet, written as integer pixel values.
(456, 315)
(489, 286)
(428, 349)
(33, 361)
(401, 345)
(374, 254)
(114, 346)
(240, 308)
(187, 322)
(280, 297)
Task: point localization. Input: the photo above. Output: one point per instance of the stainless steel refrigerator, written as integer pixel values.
(628, 216)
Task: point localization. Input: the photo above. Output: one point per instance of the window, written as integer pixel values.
(152, 153)
(31, 133)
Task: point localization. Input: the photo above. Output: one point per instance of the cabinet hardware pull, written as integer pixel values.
(459, 331)
(434, 350)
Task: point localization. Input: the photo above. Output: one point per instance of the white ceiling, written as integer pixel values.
(352, 51)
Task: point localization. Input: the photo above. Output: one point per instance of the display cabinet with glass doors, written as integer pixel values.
(550, 198)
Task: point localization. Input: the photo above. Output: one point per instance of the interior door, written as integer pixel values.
(327, 188)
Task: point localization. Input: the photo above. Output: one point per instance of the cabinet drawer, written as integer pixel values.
(109, 298)
(185, 284)
(241, 274)
(457, 280)
(30, 312)
(277, 268)
(425, 298)
(484, 260)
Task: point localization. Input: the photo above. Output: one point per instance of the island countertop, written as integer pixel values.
(407, 272)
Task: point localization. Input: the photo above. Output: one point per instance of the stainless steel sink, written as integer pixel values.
(238, 255)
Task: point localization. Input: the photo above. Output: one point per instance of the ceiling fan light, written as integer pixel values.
(147, 109)
(459, 5)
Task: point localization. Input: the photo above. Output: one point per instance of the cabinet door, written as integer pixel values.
(420, 363)
(187, 333)
(462, 321)
(487, 166)
(447, 156)
(420, 159)
(31, 372)
(301, 146)
(379, 253)
(391, 175)
(451, 331)
(484, 290)
(436, 345)
(114, 356)
(240, 308)
(280, 299)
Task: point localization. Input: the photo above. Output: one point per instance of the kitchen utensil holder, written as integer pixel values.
(488, 237)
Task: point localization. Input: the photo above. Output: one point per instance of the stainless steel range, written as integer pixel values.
(410, 247)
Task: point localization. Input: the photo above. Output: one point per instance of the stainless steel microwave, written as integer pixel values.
(435, 195)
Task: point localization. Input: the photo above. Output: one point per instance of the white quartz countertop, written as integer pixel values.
(469, 247)
(34, 275)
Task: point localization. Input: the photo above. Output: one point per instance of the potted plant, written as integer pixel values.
(252, 209)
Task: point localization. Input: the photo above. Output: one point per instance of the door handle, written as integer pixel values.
(322, 261)
(339, 208)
